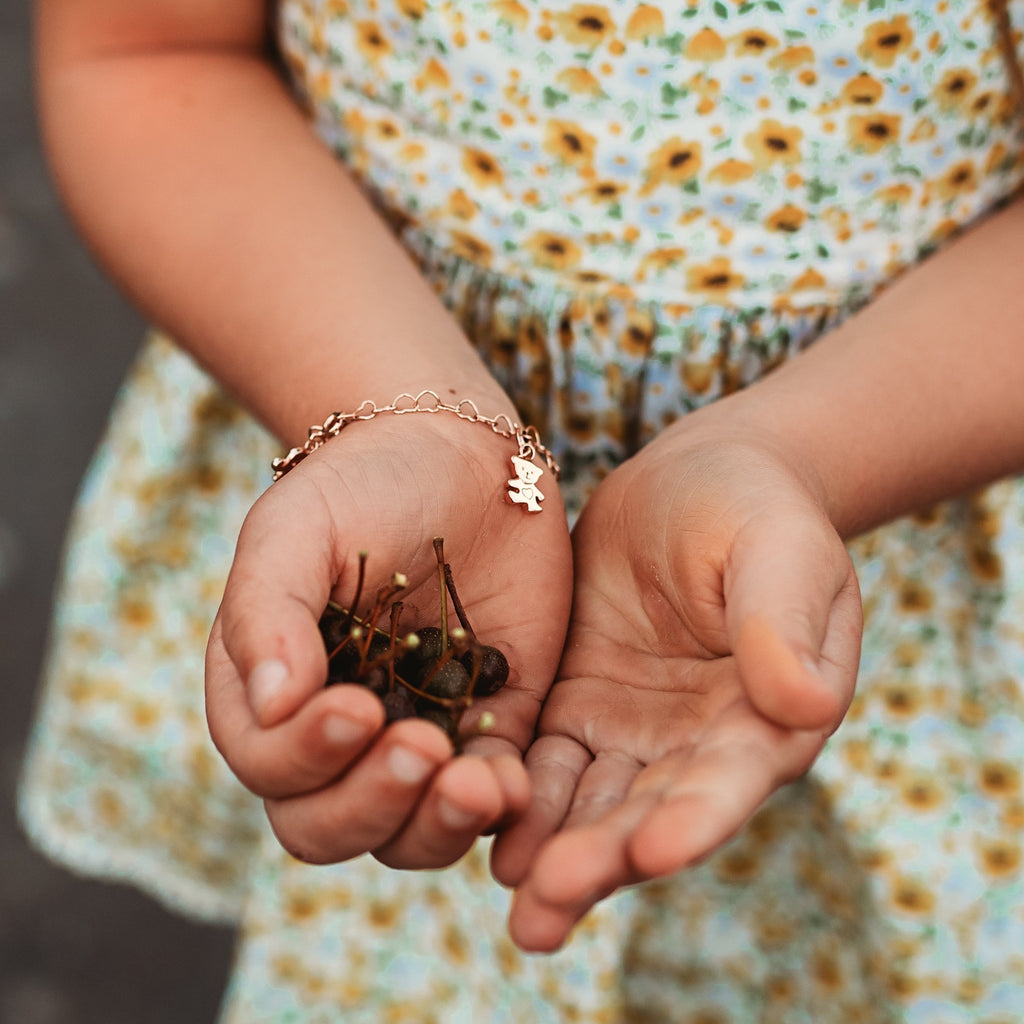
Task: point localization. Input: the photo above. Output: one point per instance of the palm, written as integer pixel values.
(679, 707)
(387, 489)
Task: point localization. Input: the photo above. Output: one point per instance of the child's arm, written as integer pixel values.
(715, 632)
(202, 189)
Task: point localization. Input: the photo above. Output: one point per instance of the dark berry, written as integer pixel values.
(451, 680)
(441, 717)
(398, 704)
(493, 672)
(431, 643)
(344, 666)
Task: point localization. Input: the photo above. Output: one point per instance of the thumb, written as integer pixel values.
(793, 614)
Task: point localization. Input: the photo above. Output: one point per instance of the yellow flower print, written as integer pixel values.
(896, 195)
(371, 41)
(414, 9)
(604, 190)
(862, 90)
(999, 778)
(109, 808)
(983, 103)
(135, 612)
(301, 906)
(433, 76)
(871, 133)
(579, 81)
(922, 793)
(960, 178)
(382, 914)
(590, 278)
(985, 563)
(660, 260)
(482, 167)
(786, 218)
(716, 278)
(902, 699)
(707, 89)
(553, 251)
(706, 45)
(513, 12)
(386, 129)
(638, 336)
(923, 130)
(672, 163)
(412, 151)
(1013, 816)
(471, 248)
(886, 40)
(731, 171)
(586, 24)
(754, 42)
(461, 206)
(698, 377)
(915, 596)
(955, 88)
(912, 896)
(582, 425)
(826, 972)
(456, 945)
(1000, 858)
(810, 280)
(737, 866)
(569, 143)
(644, 22)
(792, 57)
(774, 143)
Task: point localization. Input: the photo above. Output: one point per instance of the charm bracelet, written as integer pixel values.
(522, 488)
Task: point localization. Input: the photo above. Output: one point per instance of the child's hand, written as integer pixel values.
(337, 783)
(713, 646)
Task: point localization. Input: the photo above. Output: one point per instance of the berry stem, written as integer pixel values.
(460, 611)
(359, 590)
(396, 611)
(439, 552)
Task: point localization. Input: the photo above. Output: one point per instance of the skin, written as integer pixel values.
(714, 630)
(713, 646)
(170, 136)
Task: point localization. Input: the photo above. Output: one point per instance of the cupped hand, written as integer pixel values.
(713, 647)
(336, 781)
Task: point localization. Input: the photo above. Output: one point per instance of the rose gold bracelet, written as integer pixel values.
(522, 488)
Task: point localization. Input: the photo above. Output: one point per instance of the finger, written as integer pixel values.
(464, 798)
(678, 810)
(705, 796)
(573, 871)
(602, 787)
(506, 762)
(279, 584)
(303, 753)
(554, 764)
(781, 586)
(370, 804)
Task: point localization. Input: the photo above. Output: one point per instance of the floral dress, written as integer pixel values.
(633, 209)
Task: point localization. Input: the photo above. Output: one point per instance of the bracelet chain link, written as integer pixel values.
(522, 489)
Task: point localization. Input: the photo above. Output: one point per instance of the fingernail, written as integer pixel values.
(266, 681)
(409, 766)
(453, 816)
(343, 732)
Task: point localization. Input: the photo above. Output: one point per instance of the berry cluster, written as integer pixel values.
(433, 673)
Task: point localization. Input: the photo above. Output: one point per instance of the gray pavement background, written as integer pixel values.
(71, 951)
